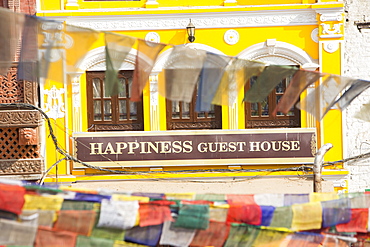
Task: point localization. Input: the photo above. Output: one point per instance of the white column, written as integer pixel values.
(76, 102)
(233, 107)
(151, 4)
(154, 107)
(72, 5)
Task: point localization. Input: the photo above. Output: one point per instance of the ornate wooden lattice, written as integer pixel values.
(194, 125)
(11, 89)
(283, 123)
(10, 148)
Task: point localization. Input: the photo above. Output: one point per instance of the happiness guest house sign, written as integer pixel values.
(211, 147)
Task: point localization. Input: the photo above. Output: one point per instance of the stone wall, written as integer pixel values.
(356, 64)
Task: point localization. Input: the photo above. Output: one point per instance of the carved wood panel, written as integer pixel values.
(17, 167)
(117, 127)
(11, 149)
(11, 90)
(194, 125)
(20, 118)
(284, 123)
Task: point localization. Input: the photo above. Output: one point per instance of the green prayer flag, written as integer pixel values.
(117, 47)
(267, 81)
(241, 235)
(193, 216)
(108, 233)
(282, 217)
(211, 197)
(84, 241)
(79, 205)
(269, 238)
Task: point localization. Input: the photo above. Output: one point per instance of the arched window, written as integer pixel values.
(182, 115)
(112, 113)
(259, 115)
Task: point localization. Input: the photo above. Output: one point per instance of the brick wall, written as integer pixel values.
(28, 7)
(356, 64)
(22, 6)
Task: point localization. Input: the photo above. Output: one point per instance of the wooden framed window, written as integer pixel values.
(112, 113)
(182, 116)
(259, 115)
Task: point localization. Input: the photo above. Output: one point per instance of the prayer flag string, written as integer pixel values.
(57, 217)
(51, 49)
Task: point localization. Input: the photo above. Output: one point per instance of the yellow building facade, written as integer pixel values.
(308, 34)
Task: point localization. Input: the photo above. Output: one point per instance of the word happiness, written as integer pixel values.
(187, 146)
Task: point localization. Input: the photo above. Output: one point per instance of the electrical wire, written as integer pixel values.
(68, 157)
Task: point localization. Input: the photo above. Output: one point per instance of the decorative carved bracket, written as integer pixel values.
(331, 31)
(20, 118)
(26, 166)
(28, 136)
(331, 23)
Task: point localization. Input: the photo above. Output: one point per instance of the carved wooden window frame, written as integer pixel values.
(291, 120)
(196, 120)
(115, 123)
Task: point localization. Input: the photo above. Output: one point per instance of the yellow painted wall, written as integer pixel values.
(299, 36)
(141, 6)
(332, 122)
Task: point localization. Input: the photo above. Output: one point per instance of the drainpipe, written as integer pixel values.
(317, 167)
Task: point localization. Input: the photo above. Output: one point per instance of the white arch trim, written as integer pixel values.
(162, 58)
(95, 60)
(277, 52)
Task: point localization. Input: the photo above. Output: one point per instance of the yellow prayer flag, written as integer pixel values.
(269, 238)
(180, 196)
(81, 190)
(36, 202)
(118, 197)
(218, 212)
(52, 202)
(320, 197)
(307, 216)
(119, 243)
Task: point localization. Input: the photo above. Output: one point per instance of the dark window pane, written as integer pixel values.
(129, 85)
(97, 110)
(133, 110)
(96, 88)
(122, 83)
(106, 95)
(122, 110)
(185, 110)
(265, 107)
(291, 112)
(201, 114)
(279, 88)
(175, 110)
(279, 113)
(107, 110)
(254, 109)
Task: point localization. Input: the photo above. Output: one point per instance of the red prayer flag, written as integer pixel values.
(235, 198)
(215, 235)
(155, 213)
(48, 237)
(78, 221)
(197, 202)
(12, 198)
(244, 213)
(358, 223)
